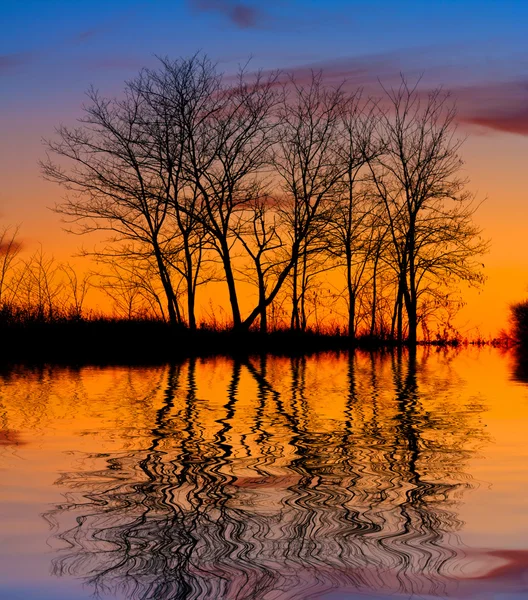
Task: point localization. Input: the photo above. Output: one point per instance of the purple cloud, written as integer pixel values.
(499, 106)
(115, 62)
(12, 61)
(87, 34)
(489, 104)
(240, 14)
(514, 122)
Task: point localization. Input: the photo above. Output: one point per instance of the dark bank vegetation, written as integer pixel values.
(518, 334)
(519, 323)
(43, 316)
(318, 209)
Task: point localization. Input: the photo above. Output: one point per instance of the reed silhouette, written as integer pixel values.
(261, 496)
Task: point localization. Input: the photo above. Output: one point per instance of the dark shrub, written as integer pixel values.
(519, 321)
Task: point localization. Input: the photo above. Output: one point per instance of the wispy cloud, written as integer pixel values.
(240, 14)
(9, 62)
(87, 34)
(487, 102)
(499, 106)
(513, 122)
(17, 60)
(114, 62)
(363, 71)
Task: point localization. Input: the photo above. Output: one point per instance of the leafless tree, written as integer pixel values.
(307, 161)
(133, 287)
(427, 207)
(228, 140)
(192, 173)
(259, 233)
(111, 167)
(37, 287)
(183, 96)
(76, 288)
(9, 251)
(353, 226)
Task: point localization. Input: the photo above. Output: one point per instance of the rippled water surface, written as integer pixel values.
(331, 477)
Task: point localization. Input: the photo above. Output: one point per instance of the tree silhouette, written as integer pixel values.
(279, 183)
(427, 208)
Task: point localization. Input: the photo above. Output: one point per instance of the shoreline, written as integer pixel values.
(107, 341)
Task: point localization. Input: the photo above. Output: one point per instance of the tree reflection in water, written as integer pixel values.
(520, 364)
(269, 500)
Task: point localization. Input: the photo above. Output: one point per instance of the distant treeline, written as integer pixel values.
(336, 208)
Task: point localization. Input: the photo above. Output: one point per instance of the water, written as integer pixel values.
(329, 477)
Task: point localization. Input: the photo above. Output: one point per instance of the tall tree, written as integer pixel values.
(308, 163)
(353, 224)
(228, 137)
(182, 95)
(111, 168)
(427, 206)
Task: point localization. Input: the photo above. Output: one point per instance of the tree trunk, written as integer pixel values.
(263, 319)
(172, 304)
(410, 307)
(304, 287)
(262, 302)
(411, 296)
(397, 315)
(351, 299)
(189, 278)
(190, 305)
(400, 314)
(413, 322)
(295, 324)
(374, 298)
(230, 280)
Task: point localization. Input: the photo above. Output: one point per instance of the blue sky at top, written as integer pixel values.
(83, 42)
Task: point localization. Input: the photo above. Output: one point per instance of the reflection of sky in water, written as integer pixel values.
(355, 596)
(325, 478)
(23, 593)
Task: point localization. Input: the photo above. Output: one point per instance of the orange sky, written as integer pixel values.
(495, 164)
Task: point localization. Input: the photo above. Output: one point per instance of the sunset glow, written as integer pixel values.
(50, 56)
(264, 300)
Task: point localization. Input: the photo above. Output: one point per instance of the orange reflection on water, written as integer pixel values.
(268, 477)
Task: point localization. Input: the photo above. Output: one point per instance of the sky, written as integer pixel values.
(52, 51)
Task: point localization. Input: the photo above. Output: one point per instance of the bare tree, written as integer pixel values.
(274, 184)
(111, 168)
(9, 250)
(307, 161)
(259, 233)
(353, 226)
(314, 260)
(427, 208)
(38, 286)
(182, 95)
(228, 139)
(133, 287)
(76, 288)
